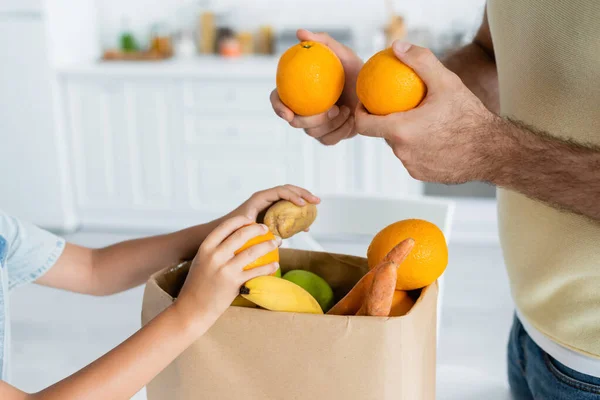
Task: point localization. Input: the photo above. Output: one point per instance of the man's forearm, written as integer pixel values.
(477, 69)
(560, 173)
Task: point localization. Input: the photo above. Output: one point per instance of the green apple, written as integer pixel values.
(313, 284)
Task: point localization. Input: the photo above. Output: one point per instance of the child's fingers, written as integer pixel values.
(267, 197)
(251, 254)
(288, 192)
(224, 230)
(260, 271)
(305, 194)
(238, 238)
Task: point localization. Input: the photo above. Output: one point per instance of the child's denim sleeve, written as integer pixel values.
(31, 251)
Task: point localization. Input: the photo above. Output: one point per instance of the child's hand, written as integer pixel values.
(260, 201)
(216, 274)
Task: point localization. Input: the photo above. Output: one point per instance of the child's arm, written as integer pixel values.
(128, 264)
(213, 282)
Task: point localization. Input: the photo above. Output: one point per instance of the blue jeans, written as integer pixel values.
(533, 374)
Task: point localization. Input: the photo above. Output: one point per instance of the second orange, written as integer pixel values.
(386, 85)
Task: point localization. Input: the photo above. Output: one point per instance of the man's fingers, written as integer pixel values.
(314, 121)
(373, 125)
(330, 125)
(225, 229)
(423, 62)
(305, 35)
(304, 122)
(343, 132)
(280, 108)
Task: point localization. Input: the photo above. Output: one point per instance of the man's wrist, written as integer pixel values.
(498, 150)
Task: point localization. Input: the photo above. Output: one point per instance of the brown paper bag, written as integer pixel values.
(253, 354)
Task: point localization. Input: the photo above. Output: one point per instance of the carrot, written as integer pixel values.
(352, 302)
(400, 251)
(378, 302)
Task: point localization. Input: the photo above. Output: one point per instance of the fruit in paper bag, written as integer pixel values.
(378, 301)
(401, 304)
(310, 78)
(386, 85)
(313, 284)
(285, 219)
(271, 257)
(240, 301)
(425, 263)
(277, 294)
(353, 301)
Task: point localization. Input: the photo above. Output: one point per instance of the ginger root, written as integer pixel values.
(285, 219)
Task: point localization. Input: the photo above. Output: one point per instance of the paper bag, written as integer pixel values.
(254, 354)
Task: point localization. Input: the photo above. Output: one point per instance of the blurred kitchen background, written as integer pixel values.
(155, 113)
(121, 118)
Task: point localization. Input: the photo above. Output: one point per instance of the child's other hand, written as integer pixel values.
(260, 201)
(216, 273)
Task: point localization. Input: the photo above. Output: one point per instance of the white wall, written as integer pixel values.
(435, 14)
(72, 31)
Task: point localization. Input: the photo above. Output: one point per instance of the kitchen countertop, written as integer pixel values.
(256, 66)
(205, 66)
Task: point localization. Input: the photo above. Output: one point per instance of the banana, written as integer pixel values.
(278, 294)
(239, 301)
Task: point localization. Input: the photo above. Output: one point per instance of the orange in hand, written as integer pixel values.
(310, 78)
(270, 257)
(427, 260)
(386, 85)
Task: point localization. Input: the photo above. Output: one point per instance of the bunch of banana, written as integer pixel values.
(277, 294)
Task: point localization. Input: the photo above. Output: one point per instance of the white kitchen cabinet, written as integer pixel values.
(123, 143)
(169, 146)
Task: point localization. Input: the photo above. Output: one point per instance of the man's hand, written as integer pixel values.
(337, 123)
(260, 201)
(446, 138)
(451, 137)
